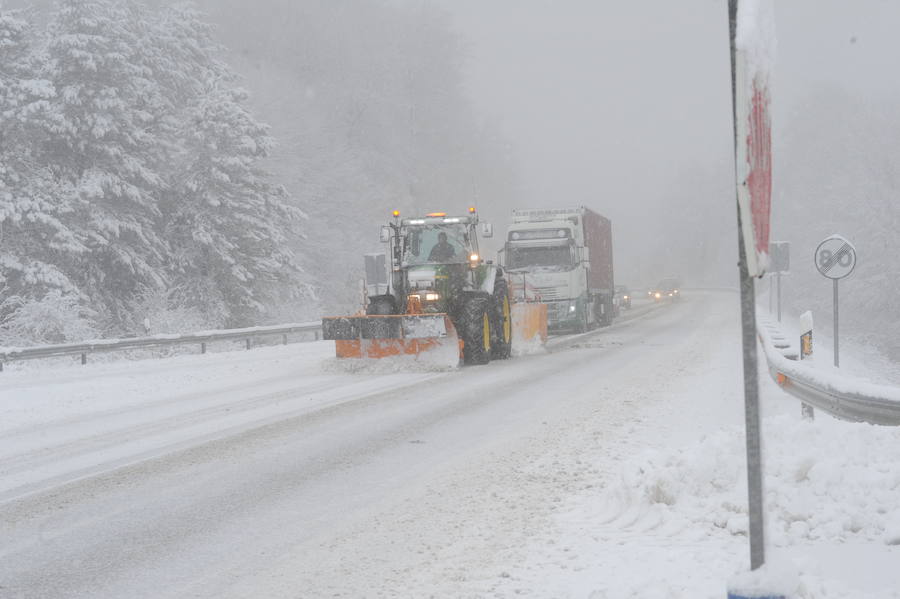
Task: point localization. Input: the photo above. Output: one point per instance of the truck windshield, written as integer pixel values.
(435, 244)
(546, 257)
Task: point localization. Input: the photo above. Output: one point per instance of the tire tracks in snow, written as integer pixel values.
(43, 467)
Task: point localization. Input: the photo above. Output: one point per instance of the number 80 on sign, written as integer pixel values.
(835, 257)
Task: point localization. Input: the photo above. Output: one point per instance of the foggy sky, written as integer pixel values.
(595, 90)
(609, 103)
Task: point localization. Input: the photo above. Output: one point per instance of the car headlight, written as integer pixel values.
(571, 307)
(432, 297)
(657, 295)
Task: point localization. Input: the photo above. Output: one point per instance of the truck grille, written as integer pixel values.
(548, 294)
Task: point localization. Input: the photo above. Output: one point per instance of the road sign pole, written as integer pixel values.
(751, 414)
(837, 359)
(779, 296)
(748, 307)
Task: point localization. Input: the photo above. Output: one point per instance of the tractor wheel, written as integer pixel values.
(476, 331)
(380, 305)
(501, 342)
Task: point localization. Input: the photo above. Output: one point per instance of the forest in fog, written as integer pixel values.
(139, 186)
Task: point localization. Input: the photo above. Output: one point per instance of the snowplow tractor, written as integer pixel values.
(443, 299)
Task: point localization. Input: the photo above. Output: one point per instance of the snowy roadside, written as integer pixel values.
(670, 521)
(858, 360)
(641, 494)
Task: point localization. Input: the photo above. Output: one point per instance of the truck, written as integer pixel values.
(441, 294)
(564, 259)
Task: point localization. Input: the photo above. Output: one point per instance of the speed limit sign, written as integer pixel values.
(835, 257)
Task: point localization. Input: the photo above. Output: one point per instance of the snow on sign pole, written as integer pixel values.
(752, 40)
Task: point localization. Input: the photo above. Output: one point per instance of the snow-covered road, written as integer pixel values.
(283, 473)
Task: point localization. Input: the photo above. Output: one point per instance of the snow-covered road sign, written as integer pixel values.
(754, 54)
(835, 257)
(779, 256)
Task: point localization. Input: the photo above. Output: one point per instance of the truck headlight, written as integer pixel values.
(432, 297)
(571, 307)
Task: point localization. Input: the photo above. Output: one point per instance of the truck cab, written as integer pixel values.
(548, 258)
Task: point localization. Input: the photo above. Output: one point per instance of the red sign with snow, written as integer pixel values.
(755, 45)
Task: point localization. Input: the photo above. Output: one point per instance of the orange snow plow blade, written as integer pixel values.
(529, 324)
(384, 336)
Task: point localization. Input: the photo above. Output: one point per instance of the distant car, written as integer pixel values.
(623, 297)
(668, 289)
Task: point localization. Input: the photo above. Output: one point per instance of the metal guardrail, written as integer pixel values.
(842, 397)
(201, 339)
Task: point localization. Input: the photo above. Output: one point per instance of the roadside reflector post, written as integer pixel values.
(203, 348)
(806, 350)
(83, 359)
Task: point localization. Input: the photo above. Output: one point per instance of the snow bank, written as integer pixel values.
(817, 489)
(770, 580)
(527, 347)
(828, 484)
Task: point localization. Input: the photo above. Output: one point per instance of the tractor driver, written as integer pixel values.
(442, 250)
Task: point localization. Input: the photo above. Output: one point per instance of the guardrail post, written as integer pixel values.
(203, 348)
(284, 339)
(83, 358)
(1, 366)
(317, 335)
(248, 342)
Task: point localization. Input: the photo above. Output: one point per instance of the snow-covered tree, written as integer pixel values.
(101, 140)
(33, 205)
(369, 107)
(226, 221)
(56, 317)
